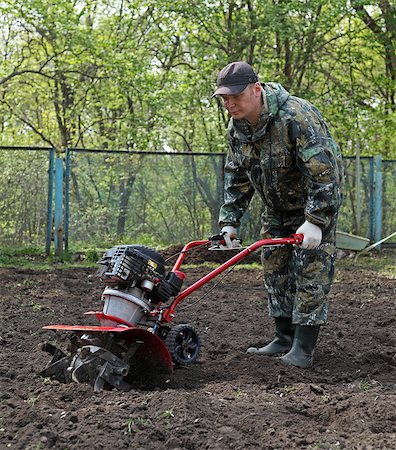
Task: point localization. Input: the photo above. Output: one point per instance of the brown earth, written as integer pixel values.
(228, 399)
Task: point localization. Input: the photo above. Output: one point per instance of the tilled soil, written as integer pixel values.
(228, 399)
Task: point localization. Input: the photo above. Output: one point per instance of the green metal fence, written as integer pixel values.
(145, 197)
(26, 196)
(96, 198)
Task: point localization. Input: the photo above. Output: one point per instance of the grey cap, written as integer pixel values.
(234, 78)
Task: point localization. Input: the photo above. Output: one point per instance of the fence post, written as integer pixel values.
(371, 200)
(378, 199)
(358, 182)
(48, 235)
(58, 216)
(67, 188)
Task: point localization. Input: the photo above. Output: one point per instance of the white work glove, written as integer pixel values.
(312, 235)
(229, 234)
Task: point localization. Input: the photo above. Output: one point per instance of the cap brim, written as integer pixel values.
(229, 90)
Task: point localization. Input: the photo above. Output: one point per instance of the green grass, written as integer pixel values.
(384, 262)
(35, 258)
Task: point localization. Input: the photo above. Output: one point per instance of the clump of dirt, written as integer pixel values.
(229, 399)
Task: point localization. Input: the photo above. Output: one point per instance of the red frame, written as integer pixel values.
(166, 314)
(169, 312)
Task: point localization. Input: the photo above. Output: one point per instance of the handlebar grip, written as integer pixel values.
(298, 238)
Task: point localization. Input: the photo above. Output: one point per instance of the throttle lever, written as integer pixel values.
(219, 243)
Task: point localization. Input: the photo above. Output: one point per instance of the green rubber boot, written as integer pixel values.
(284, 333)
(301, 353)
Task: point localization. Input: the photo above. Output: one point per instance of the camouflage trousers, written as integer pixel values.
(298, 281)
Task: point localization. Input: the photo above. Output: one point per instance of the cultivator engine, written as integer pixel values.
(134, 336)
(131, 337)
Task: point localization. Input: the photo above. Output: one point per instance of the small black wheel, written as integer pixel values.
(183, 344)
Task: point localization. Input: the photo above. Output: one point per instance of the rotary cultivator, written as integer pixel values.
(134, 335)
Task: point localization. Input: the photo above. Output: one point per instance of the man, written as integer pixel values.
(281, 148)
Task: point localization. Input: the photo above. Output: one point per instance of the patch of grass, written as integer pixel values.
(365, 384)
(31, 401)
(130, 426)
(250, 266)
(239, 393)
(287, 390)
(212, 265)
(35, 258)
(260, 303)
(36, 306)
(135, 425)
(19, 256)
(168, 414)
(383, 262)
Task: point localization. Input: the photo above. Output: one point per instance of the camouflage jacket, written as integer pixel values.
(290, 160)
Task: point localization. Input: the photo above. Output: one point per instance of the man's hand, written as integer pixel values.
(229, 233)
(312, 235)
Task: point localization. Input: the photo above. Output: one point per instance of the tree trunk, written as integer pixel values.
(125, 194)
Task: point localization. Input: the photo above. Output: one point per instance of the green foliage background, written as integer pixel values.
(138, 75)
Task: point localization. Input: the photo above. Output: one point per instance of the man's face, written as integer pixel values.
(245, 105)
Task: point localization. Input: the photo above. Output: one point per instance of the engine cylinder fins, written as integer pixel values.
(153, 255)
(183, 344)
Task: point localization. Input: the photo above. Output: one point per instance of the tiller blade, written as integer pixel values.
(107, 356)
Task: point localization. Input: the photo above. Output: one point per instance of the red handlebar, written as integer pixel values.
(168, 313)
